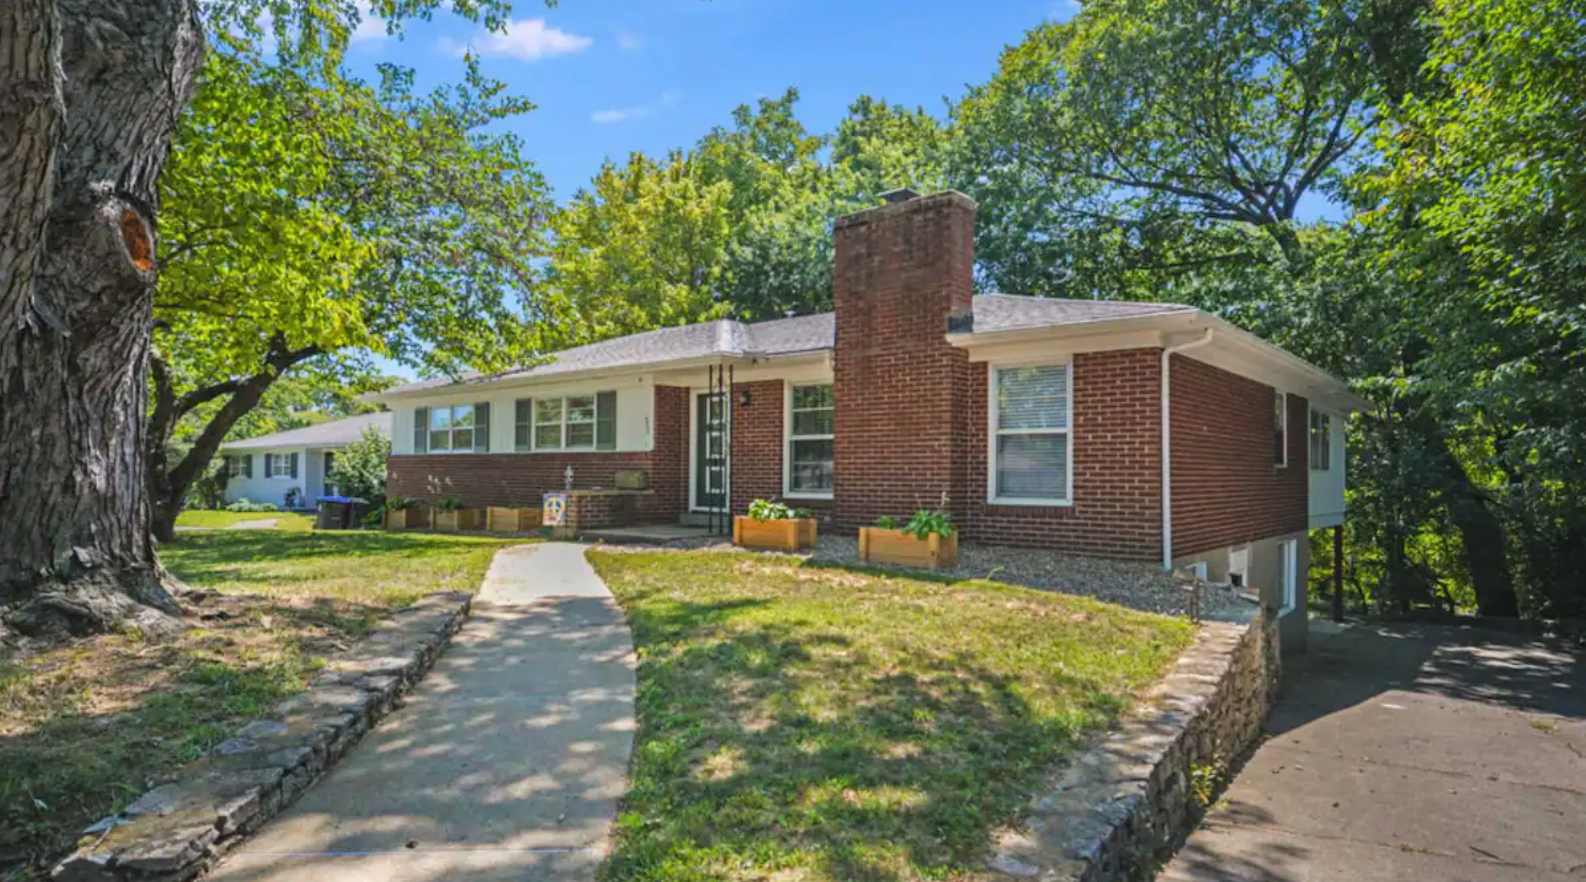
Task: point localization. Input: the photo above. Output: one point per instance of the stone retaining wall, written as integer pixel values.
(177, 830)
(1120, 807)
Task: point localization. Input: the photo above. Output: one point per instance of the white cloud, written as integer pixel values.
(370, 27)
(628, 41)
(614, 115)
(527, 39)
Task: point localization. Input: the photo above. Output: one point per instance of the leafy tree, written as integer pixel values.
(87, 136)
(377, 220)
(359, 469)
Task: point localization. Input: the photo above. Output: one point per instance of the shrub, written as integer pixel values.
(768, 510)
(450, 503)
(360, 466)
(400, 503)
(246, 505)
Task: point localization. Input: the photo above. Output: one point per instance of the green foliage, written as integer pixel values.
(926, 521)
(449, 503)
(769, 510)
(246, 505)
(360, 467)
(888, 522)
(400, 503)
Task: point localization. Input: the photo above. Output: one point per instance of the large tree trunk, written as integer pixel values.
(90, 91)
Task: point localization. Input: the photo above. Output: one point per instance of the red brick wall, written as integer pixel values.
(1117, 500)
(482, 479)
(1226, 490)
(756, 443)
(900, 272)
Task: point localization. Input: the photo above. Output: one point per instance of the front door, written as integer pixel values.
(710, 451)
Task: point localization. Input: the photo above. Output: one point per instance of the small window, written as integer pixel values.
(577, 422)
(810, 440)
(1321, 449)
(461, 428)
(280, 465)
(1280, 429)
(1031, 440)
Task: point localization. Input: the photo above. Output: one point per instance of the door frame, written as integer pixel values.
(695, 395)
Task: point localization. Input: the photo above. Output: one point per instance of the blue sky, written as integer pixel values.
(611, 77)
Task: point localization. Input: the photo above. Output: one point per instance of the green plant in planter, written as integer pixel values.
(450, 503)
(401, 503)
(887, 522)
(927, 521)
(767, 510)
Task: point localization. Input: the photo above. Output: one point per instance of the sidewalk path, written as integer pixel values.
(506, 762)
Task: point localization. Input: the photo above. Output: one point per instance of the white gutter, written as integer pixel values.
(1167, 445)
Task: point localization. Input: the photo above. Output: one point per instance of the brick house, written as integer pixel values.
(886, 404)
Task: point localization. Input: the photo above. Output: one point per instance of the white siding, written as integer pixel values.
(635, 412)
(1327, 487)
(310, 480)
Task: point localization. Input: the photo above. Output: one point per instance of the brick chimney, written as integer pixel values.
(902, 274)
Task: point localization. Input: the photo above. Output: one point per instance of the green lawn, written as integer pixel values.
(87, 724)
(220, 520)
(799, 722)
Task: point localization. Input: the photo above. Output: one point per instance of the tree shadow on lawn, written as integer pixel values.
(780, 748)
(224, 555)
(91, 723)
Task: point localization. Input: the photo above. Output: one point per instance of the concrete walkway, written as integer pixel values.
(507, 761)
(1408, 754)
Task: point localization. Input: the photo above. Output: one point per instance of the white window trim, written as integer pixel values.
(788, 438)
(1283, 422)
(991, 436)
(594, 424)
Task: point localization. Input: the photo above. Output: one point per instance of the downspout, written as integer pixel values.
(1167, 445)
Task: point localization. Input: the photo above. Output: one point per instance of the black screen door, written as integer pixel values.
(710, 452)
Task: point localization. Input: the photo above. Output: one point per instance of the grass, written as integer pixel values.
(88, 725)
(220, 520)
(799, 722)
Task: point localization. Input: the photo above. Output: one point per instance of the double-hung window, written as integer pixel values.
(575, 422)
(457, 428)
(1031, 435)
(810, 434)
(280, 465)
(1321, 441)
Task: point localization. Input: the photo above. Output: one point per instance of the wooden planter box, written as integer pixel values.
(880, 545)
(511, 520)
(788, 534)
(461, 519)
(406, 519)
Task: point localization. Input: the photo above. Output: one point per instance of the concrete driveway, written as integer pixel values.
(1413, 753)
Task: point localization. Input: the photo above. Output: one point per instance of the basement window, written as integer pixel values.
(1031, 443)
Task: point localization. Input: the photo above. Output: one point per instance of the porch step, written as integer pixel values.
(697, 519)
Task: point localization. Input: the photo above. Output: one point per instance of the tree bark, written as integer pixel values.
(169, 485)
(90, 91)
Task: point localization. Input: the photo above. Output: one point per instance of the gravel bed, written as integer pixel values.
(1136, 585)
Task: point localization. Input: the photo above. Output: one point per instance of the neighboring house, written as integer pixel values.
(1041, 420)
(266, 468)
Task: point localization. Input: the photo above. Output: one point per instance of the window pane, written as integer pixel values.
(1032, 398)
(547, 410)
(1032, 466)
(463, 416)
(441, 440)
(580, 434)
(812, 422)
(548, 437)
(806, 397)
(811, 470)
(581, 409)
(462, 439)
(440, 418)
